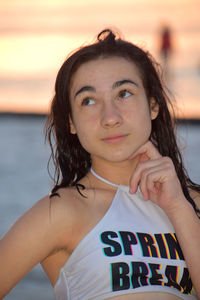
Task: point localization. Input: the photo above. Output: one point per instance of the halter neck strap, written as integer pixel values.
(103, 179)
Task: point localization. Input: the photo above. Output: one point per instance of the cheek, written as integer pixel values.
(140, 119)
(85, 135)
(85, 122)
(146, 126)
(138, 114)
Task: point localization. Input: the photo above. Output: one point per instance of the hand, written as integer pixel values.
(157, 178)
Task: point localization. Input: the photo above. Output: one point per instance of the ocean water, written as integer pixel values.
(24, 180)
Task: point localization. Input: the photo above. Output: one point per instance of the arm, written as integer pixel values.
(158, 181)
(32, 238)
(187, 228)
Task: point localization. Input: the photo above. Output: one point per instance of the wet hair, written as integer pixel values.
(72, 162)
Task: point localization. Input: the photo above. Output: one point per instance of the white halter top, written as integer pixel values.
(103, 179)
(132, 249)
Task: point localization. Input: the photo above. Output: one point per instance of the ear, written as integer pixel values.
(154, 109)
(72, 127)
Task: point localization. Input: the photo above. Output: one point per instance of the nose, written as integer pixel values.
(111, 115)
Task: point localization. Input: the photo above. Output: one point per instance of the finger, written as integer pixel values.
(139, 170)
(147, 149)
(148, 183)
(159, 177)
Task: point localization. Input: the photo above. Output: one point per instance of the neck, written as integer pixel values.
(118, 173)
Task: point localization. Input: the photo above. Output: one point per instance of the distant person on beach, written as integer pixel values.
(166, 42)
(166, 47)
(122, 220)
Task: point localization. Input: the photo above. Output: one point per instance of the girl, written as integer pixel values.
(122, 219)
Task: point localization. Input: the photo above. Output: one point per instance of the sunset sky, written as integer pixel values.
(37, 35)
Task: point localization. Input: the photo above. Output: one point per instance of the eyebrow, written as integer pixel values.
(115, 85)
(124, 81)
(85, 89)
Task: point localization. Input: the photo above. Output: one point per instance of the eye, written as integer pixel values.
(124, 94)
(87, 101)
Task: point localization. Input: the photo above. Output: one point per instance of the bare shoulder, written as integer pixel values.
(35, 235)
(44, 224)
(65, 208)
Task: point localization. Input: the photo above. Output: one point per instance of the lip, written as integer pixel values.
(115, 139)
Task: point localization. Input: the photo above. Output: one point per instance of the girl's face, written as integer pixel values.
(110, 111)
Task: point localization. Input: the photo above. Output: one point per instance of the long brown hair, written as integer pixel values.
(72, 162)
